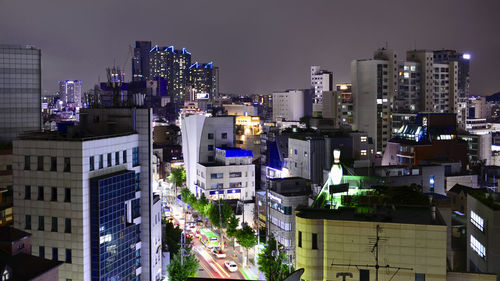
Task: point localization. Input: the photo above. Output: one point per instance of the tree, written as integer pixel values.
(220, 221)
(274, 263)
(231, 230)
(189, 267)
(178, 176)
(188, 197)
(247, 239)
(171, 238)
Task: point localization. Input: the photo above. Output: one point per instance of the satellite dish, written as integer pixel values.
(295, 276)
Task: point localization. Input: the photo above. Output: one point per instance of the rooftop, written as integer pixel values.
(27, 267)
(400, 214)
(10, 234)
(236, 152)
(76, 135)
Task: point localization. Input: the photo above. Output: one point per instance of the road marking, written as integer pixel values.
(216, 269)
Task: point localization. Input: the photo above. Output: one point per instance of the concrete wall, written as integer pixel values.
(420, 247)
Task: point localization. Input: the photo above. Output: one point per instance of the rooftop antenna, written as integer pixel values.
(377, 266)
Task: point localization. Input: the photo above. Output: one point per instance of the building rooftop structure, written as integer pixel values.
(399, 214)
(236, 152)
(25, 267)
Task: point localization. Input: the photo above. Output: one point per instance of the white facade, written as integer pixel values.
(76, 206)
(321, 81)
(200, 136)
(241, 109)
(289, 105)
(372, 103)
(229, 178)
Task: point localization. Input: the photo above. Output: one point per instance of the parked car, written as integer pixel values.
(231, 266)
(218, 253)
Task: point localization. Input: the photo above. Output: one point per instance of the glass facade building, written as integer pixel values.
(114, 231)
(20, 90)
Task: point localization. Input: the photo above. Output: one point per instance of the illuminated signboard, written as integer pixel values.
(247, 120)
(202, 96)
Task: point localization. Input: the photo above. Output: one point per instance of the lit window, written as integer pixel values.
(363, 152)
(363, 139)
(476, 220)
(477, 247)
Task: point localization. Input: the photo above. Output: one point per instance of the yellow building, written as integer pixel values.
(329, 242)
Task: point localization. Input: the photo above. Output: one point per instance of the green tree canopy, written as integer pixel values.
(215, 219)
(246, 237)
(189, 267)
(274, 263)
(171, 238)
(178, 176)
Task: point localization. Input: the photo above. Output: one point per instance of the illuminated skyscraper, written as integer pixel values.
(203, 79)
(20, 90)
(172, 65)
(70, 92)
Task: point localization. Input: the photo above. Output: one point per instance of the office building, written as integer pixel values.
(20, 90)
(70, 93)
(478, 108)
(285, 196)
(200, 136)
(6, 192)
(292, 105)
(107, 157)
(306, 157)
(140, 61)
(321, 81)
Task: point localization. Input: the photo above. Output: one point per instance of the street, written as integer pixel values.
(210, 266)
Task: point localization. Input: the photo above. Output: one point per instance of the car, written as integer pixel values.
(218, 253)
(231, 266)
(191, 228)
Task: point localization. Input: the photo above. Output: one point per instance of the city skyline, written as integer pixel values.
(251, 42)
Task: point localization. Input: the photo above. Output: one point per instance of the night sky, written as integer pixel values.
(260, 46)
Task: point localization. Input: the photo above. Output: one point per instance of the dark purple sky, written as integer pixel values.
(260, 45)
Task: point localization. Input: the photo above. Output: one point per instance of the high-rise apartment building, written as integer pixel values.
(86, 196)
(140, 60)
(384, 86)
(172, 65)
(203, 80)
(374, 85)
(339, 106)
(321, 80)
(70, 93)
(439, 83)
(20, 90)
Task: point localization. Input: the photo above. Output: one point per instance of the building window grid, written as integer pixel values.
(477, 221)
(54, 224)
(477, 247)
(27, 223)
(124, 156)
(67, 195)
(40, 163)
(109, 160)
(117, 158)
(27, 162)
(67, 225)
